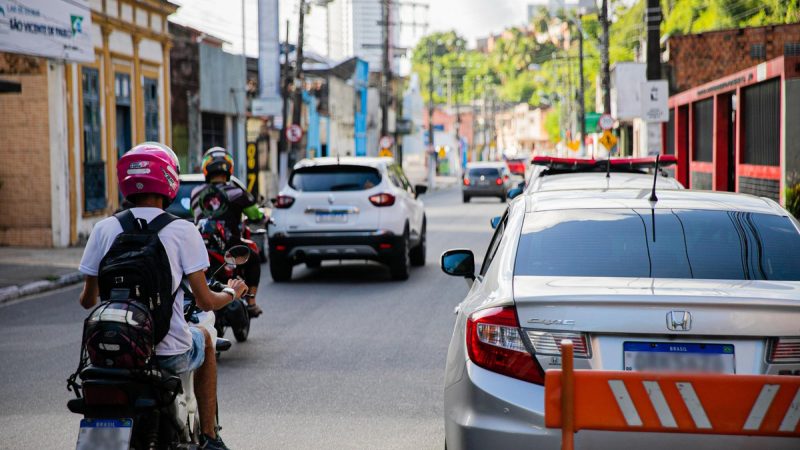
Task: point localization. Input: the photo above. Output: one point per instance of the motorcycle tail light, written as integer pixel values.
(102, 395)
(784, 350)
(382, 200)
(283, 201)
(495, 342)
(549, 343)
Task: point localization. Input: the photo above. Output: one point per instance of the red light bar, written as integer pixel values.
(663, 161)
(549, 160)
(639, 163)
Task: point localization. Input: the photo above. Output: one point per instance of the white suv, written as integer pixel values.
(347, 208)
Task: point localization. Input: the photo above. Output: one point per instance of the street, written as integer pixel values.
(342, 357)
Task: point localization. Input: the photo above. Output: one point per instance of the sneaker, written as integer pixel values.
(254, 310)
(210, 443)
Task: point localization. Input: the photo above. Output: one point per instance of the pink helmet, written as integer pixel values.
(149, 168)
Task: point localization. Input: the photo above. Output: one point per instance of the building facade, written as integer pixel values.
(70, 122)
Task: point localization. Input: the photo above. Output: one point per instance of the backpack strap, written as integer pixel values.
(161, 221)
(127, 220)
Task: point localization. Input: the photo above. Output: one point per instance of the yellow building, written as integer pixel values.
(61, 135)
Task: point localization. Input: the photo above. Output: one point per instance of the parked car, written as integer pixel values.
(182, 207)
(686, 281)
(347, 208)
(486, 179)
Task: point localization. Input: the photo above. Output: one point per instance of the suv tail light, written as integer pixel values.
(495, 342)
(784, 350)
(283, 201)
(382, 199)
(549, 343)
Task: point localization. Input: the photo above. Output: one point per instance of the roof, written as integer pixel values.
(598, 180)
(639, 199)
(349, 160)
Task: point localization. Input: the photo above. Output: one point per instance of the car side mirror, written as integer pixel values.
(420, 189)
(514, 192)
(459, 263)
(495, 221)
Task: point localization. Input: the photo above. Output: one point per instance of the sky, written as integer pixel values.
(470, 18)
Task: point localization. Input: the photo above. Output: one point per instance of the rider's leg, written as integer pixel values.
(205, 388)
(252, 275)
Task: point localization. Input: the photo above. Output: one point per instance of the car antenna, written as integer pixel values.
(608, 165)
(653, 197)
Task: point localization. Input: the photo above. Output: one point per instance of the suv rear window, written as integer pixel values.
(724, 245)
(334, 178)
(484, 171)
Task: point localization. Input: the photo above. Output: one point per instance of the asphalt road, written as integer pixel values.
(343, 357)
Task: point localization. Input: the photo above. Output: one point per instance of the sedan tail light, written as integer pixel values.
(283, 201)
(784, 350)
(466, 182)
(549, 343)
(495, 342)
(382, 199)
(499, 181)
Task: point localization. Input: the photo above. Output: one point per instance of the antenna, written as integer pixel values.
(653, 197)
(608, 166)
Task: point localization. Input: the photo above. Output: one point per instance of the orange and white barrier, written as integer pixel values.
(758, 405)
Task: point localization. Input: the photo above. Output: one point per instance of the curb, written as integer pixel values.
(14, 292)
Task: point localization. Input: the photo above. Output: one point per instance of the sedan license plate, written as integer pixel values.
(108, 434)
(331, 217)
(678, 357)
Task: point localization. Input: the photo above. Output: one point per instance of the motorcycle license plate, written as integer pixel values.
(108, 434)
(679, 357)
(331, 217)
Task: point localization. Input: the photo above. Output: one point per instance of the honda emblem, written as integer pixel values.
(679, 320)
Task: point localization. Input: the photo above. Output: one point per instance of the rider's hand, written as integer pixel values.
(238, 285)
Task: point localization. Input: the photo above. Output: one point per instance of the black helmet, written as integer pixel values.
(217, 160)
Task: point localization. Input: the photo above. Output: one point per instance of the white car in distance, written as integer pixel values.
(347, 208)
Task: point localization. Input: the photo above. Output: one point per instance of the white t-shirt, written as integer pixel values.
(186, 252)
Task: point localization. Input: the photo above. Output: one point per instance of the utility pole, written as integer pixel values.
(653, 19)
(283, 161)
(387, 69)
(298, 81)
(431, 150)
(581, 103)
(605, 71)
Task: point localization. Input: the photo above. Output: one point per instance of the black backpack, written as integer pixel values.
(137, 267)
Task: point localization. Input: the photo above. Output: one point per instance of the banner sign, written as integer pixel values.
(252, 168)
(59, 29)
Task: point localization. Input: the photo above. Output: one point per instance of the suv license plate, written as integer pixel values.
(332, 217)
(678, 357)
(108, 434)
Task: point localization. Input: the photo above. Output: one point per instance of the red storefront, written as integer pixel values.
(741, 132)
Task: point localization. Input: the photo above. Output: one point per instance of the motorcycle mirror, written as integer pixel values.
(237, 255)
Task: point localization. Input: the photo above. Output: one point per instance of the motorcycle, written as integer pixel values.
(145, 408)
(234, 315)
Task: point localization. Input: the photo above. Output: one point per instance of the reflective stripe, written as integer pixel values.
(792, 416)
(625, 403)
(761, 406)
(660, 404)
(693, 405)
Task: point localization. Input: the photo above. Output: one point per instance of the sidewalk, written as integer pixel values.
(25, 271)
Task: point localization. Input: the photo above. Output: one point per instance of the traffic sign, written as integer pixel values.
(386, 152)
(386, 142)
(654, 101)
(574, 145)
(606, 122)
(608, 140)
(294, 133)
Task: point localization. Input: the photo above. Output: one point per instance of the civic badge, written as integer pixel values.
(679, 320)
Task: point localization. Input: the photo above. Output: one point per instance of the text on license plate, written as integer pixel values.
(678, 357)
(331, 217)
(108, 434)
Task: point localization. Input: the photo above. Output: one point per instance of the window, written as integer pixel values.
(213, 130)
(151, 132)
(758, 51)
(484, 172)
(94, 168)
(494, 245)
(703, 112)
(334, 178)
(722, 245)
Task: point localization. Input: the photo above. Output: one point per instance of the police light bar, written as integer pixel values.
(583, 163)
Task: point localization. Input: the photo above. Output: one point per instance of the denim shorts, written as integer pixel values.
(185, 362)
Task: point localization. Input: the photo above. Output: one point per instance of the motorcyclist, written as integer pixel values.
(148, 179)
(221, 200)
